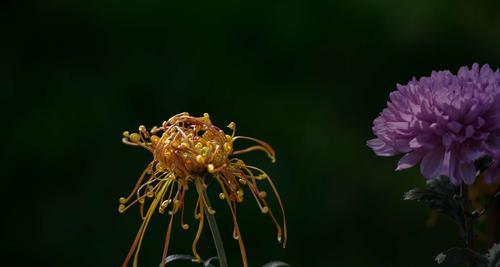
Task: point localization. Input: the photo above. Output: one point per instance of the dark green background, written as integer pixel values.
(306, 76)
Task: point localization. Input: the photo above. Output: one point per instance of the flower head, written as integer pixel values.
(187, 150)
(444, 121)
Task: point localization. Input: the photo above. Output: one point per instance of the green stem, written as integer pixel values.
(221, 254)
(468, 223)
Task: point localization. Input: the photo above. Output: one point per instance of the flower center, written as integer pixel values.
(190, 148)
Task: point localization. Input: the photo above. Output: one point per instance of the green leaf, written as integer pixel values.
(276, 264)
(176, 257)
(494, 256)
(441, 195)
(457, 256)
(208, 263)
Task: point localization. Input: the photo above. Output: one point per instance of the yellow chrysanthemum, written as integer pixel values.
(190, 149)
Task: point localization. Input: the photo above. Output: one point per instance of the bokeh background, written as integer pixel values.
(306, 76)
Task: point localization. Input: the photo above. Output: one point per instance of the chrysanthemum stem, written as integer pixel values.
(221, 254)
(468, 223)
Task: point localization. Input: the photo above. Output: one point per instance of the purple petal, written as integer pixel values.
(469, 131)
(494, 141)
(455, 126)
(448, 165)
(467, 173)
(381, 148)
(409, 160)
(431, 163)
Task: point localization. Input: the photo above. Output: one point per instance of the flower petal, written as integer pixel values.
(409, 160)
(467, 173)
(381, 148)
(432, 163)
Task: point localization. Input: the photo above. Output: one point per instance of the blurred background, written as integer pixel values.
(306, 76)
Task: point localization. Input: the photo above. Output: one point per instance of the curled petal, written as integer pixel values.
(262, 146)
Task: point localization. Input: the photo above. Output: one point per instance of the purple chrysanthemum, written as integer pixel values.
(444, 121)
